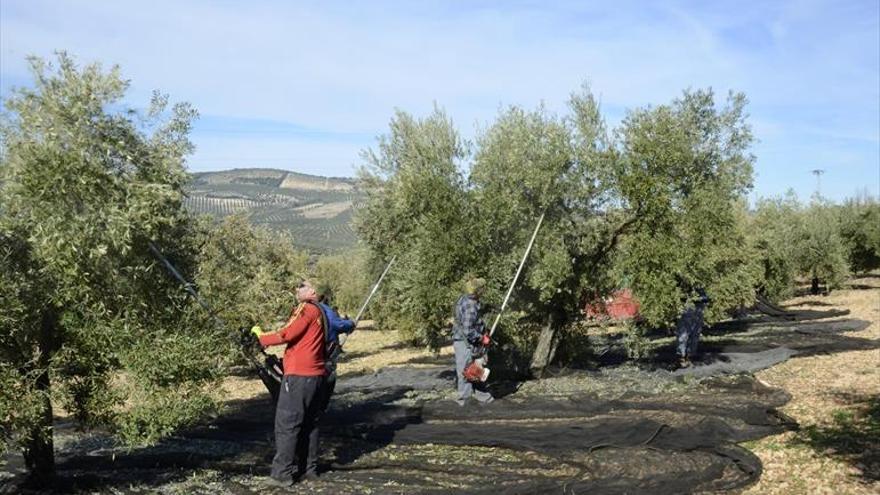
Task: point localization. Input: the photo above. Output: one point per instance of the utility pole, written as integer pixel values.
(818, 173)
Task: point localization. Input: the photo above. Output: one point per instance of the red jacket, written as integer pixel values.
(304, 337)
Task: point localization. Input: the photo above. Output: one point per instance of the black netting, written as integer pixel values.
(638, 443)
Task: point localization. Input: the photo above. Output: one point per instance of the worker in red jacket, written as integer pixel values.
(299, 401)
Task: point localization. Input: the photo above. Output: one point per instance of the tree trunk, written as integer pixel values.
(546, 348)
(39, 450)
(814, 286)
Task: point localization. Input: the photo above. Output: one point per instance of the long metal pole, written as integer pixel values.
(186, 285)
(375, 288)
(192, 291)
(516, 277)
(344, 337)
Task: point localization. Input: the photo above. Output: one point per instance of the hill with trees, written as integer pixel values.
(315, 211)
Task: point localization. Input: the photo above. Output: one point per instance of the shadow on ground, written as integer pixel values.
(862, 287)
(853, 434)
(810, 302)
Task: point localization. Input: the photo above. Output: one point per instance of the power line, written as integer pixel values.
(818, 173)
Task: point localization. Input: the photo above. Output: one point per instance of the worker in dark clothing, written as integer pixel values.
(299, 405)
(688, 328)
(468, 333)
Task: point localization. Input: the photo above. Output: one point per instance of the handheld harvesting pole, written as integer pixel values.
(186, 285)
(192, 291)
(516, 277)
(344, 337)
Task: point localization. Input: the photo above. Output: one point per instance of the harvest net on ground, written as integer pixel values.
(681, 439)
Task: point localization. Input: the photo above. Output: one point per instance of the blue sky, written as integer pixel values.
(306, 85)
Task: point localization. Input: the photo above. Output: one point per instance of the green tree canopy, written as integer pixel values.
(88, 318)
(820, 252)
(686, 168)
(347, 276)
(417, 209)
(248, 274)
(860, 230)
(775, 229)
(530, 164)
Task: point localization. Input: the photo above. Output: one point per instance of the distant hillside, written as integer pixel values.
(316, 210)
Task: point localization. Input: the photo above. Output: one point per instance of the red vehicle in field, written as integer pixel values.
(620, 305)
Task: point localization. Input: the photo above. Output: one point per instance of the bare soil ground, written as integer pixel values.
(836, 401)
(808, 423)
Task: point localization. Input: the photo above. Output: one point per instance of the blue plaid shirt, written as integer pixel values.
(468, 325)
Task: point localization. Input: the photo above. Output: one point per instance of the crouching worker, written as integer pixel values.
(688, 328)
(468, 334)
(299, 401)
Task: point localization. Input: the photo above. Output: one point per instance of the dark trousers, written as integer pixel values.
(296, 426)
(327, 392)
(687, 332)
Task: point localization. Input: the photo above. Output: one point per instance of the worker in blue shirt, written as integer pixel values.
(336, 325)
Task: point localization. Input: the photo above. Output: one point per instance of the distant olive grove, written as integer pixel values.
(91, 323)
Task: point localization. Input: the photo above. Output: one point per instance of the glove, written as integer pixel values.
(257, 331)
(249, 338)
(485, 340)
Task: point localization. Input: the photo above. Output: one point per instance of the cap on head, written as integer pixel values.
(475, 286)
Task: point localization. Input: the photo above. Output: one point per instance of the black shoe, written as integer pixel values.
(285, 483)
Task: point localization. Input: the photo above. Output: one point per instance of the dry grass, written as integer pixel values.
(826, 390)
(372, 350)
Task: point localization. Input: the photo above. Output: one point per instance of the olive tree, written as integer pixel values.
(247, 274)
(88, 320)
(860, 230)
(417, 209)
(346, 274)
(776, 227)
(529, 164)
(686, 167)
(820, 251)
(818, 240)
